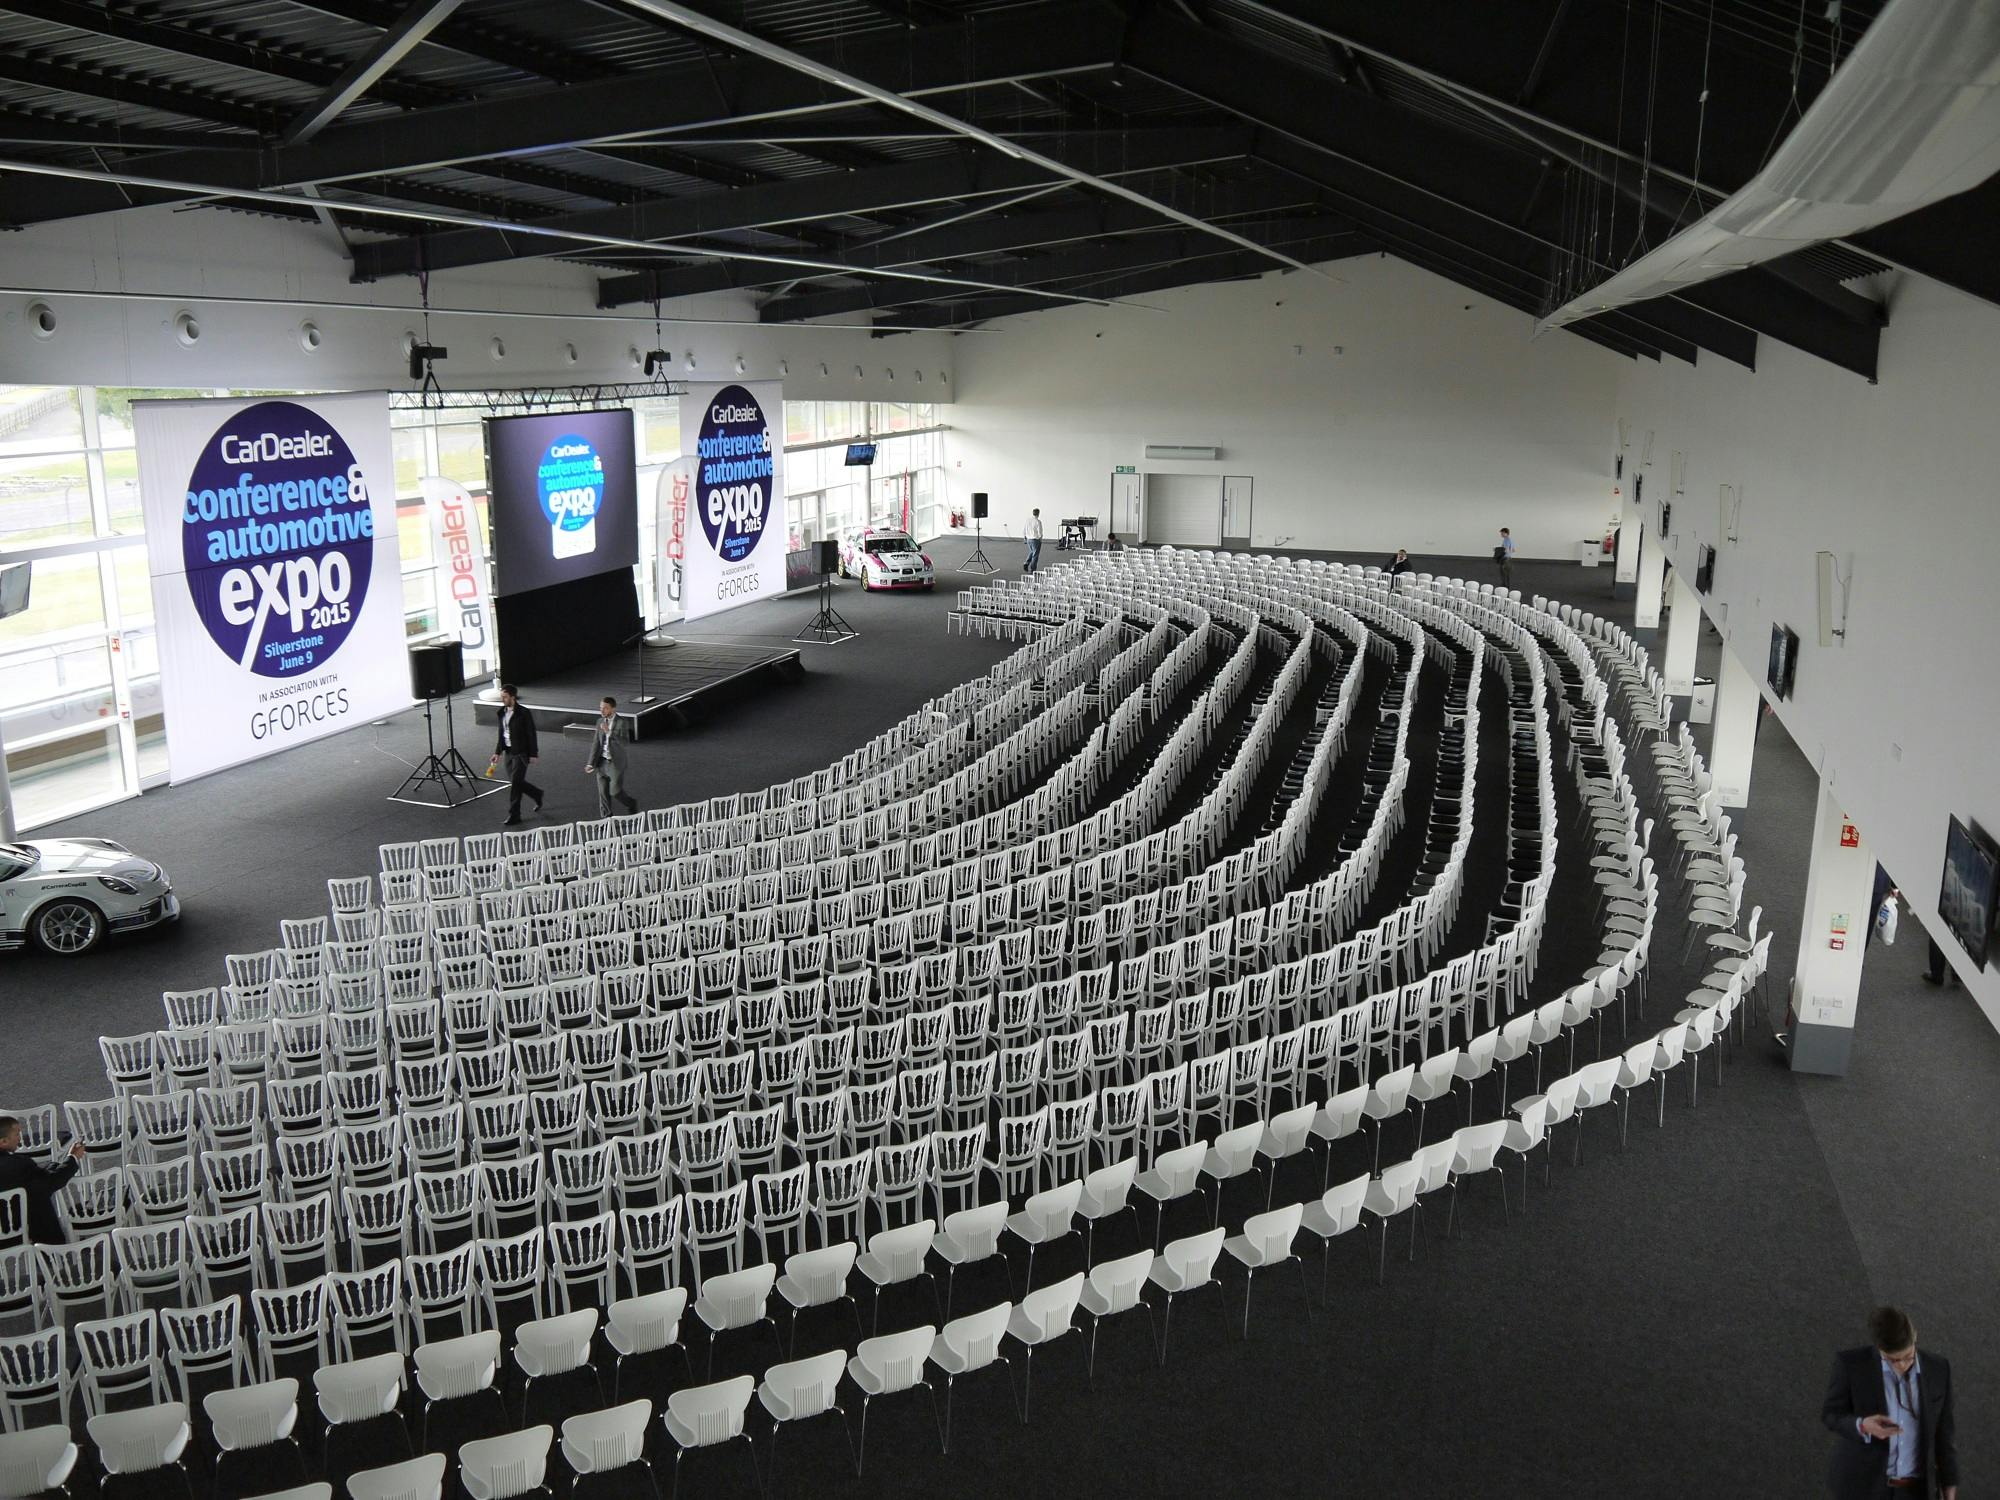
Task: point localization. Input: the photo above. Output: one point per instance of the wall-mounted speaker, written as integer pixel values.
(979, 505)
(437, 668)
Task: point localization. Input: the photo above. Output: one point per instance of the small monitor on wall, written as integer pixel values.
(1784, 660)
(1704, 570)
(1971, 876)
(860, 455)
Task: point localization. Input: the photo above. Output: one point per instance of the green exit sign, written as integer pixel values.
(1124, 468)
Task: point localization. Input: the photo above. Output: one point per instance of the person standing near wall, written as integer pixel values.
(1033, 532)
(1504, 555)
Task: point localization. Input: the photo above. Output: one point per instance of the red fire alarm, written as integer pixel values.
(1850, 836)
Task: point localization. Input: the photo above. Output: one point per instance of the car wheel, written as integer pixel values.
(68, 927)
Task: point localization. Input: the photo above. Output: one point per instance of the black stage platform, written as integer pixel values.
(684, 679)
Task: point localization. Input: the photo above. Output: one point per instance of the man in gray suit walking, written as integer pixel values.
(607, 761)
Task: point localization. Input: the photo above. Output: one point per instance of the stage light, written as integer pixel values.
(422, 357)
(658, 362)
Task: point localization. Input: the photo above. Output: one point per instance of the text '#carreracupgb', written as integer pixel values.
(277, 537)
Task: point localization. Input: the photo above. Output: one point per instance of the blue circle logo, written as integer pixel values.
(278, 538)
(734, 493)
(569, 482)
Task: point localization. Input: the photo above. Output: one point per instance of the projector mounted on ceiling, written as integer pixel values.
(1184, 452)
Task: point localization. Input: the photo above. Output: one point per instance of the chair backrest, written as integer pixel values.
(414, 1479)
(640, 1325)
(737, 1298)
(499, 1468)
(804, 1388)
(1271, 1234)
(252, 1416)
(1106, 1190)
(597, 1442)
(1342, 1203)
(899, 1253)
(1191, 1261)
(549, 1346)
(895, 1361)
(1476, 1146)
(1180, 1169)
(29, 1460)
(140, 1440)
(449, 1368)
(360, 1389)
(974, 1340)
(1051, 1211)
(1048, 1312)
(1120, 1282)
(713, 1413)
(820, 1276)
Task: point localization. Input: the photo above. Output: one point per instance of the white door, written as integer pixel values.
(1184, 510)
(1125, 507)
(1236, 490)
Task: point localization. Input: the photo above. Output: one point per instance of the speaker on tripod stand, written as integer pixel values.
(437, 671)
(979, 562)
(827, 625)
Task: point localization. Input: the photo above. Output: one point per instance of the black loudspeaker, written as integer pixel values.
(979, 505)
(437, 669)
(827, 559)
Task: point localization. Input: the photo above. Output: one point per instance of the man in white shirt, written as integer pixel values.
(607, 761)
(1504, 555)
(1034, 536)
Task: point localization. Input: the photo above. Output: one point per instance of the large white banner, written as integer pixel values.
(277, 588)
(736, 543)
(465, 604)
(673, 512)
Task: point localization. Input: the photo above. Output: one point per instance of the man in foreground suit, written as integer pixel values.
(1890, 1412)
(607, 762)
(39, 1181)
(516, 748)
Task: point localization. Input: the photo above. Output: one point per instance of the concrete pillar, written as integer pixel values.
(1652, 580)
(1627, 564)
(1738, 705)
(1840, 884)
(1683, 631)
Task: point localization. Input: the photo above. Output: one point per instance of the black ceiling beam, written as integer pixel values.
(1054, 37)
(377, 60)
(1376, 150)
(35, 130)
(119, 88)
(994, 233)
(931, 179)
(1228, 265)
(1099, 258)
(474, 38)
(1831, 295)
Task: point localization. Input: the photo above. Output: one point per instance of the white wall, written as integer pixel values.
(1388, 409)
(1899, 480)
(111, 342)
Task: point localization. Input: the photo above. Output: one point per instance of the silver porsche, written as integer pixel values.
(64, 895)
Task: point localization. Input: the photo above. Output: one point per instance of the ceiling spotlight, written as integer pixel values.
(920, 377)
(688, 363)
(891, 374)
(309, 337)
(784, 367)
(42, 320)
(857, 372)
(822, 369)
(498, 348)
(740, 365)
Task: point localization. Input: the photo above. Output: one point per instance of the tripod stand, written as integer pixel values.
(979, 562)
(827, 627)
(455, 780)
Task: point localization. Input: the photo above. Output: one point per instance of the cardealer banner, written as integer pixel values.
(735, 536)
(277, 588)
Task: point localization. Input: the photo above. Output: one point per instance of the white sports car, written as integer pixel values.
(65, 894)
(885, 560)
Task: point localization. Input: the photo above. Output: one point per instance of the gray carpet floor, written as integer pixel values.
(1657, 1323)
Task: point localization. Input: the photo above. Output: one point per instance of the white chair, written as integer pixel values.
(1283, 1136)
(818, 1278)
(895, 1256)
(1476, 1149)
(603, 1442)
(1393, 1192)
(735, 1299)
(965, 1346)
(547, 1347)
(1337, 1212)
(1233, 1155)
(1596, 1086)
(888, 1366)
(1266, 1241)
(143, 1440)
(1185, 1265)
(413, 1479)
(508, 1466)
(1041, 1318)
(648, 1324)
(1435, 1077)
(1388, 1097)
(1174, 1175)
(1044, 1218)
(710, 1416)
(456, 1370)
(800, 1391)
(1118, 1286)
(362, 1390)
(34, 1371)
(251, 1417)
(1340, 1118)
(1107, 1192)
(35, 1461)
(119, 1357)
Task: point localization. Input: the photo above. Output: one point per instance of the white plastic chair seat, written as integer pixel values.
(34, 1461)
(501, 1468)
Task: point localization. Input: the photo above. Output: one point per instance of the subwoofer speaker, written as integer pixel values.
(437, 669)
(979, 505)
(828, 560)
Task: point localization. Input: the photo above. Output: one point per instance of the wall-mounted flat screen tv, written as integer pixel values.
(1784, 660)
(1971, 875)
(860, 455)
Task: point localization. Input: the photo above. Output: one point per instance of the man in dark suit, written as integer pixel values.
(1890, 1411)
(607, 761)
(40, 1181)
(517, 749)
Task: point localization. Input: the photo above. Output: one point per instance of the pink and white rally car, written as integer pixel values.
(884, 559)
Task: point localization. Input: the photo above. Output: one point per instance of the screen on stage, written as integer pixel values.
(564, 489)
